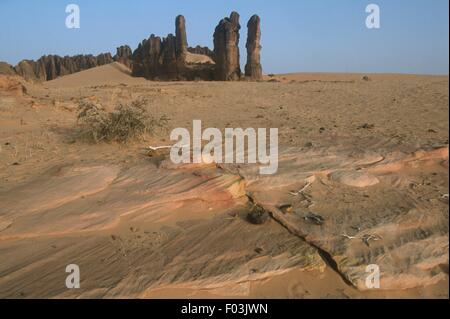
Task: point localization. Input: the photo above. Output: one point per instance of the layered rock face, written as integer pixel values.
(226, 49)
(52, 66)
(253, 69)
(123, 55)
(406, 238)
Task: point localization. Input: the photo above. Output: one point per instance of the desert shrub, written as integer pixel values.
(126, 122)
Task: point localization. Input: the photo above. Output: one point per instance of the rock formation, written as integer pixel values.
(170, 63)
(226, 49)
(26, 69)
(11, 85)
(253, 69)
(6, 69)
(169, 58)
(146, 58)
(52, 66)
(407, 240)
(104, 58)
(181, 37)
(123, 55)
(162, 59)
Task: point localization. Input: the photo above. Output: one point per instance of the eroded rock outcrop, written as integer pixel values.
(50, 67)
(6, 69)
(341, 209)
(181, 37)
(253, 69)
(11, 85)
(26, 69)
(165, 252)
(123, 55)
(146, 58)
(169, 58)
(104, 58)
(170, 63)
(226, 49)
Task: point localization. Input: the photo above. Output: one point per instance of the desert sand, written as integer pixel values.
(369, 155)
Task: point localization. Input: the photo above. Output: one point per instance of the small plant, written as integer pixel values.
(127, 122)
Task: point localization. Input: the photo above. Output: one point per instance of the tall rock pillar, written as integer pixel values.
(253, 68)
(226, 49)
(181, 38)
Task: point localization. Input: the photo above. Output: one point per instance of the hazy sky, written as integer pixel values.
(297, 35)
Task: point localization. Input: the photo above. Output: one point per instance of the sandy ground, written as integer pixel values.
(139, 227)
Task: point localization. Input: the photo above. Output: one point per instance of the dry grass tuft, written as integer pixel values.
(127, 122)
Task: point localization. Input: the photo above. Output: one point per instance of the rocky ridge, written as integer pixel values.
(168, 58)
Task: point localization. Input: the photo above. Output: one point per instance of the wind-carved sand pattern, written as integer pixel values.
(368, 211)
(140, 226)
(102, 217)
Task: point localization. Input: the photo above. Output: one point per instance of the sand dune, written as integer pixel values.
(110, 74)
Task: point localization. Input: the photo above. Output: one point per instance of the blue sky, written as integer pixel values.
(297, 35)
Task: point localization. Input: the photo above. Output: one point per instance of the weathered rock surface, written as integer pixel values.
(168, 58)
(253, 68)
(50, 67)
(6, 69)
(11, 85)
(146, 58)
(226, 49)
(165, 230)
(181, 37)
(26, 69)
(172, 59)
(123, 55)
(83, 208)
(370, 211)
(104, 58)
